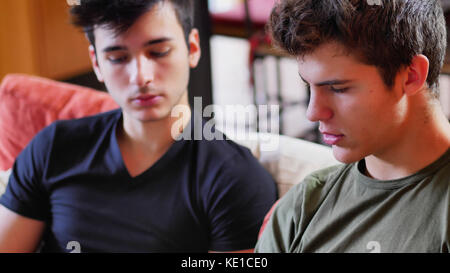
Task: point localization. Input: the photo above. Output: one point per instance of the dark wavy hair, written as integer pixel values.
(120, 15)
(383, 33)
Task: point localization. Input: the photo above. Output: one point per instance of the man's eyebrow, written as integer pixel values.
(148, 43)
(113, 48)
(333, 82)
(329, 82)
(157, 41)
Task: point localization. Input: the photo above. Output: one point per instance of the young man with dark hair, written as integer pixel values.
(118, 181)
(373, 74)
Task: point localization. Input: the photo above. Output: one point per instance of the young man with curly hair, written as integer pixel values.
(121, 181)
(373, 74)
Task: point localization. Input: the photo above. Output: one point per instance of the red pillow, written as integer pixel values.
(267, 218)
(29, 103)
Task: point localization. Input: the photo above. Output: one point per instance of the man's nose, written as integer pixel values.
(142, 73)
(318, 107)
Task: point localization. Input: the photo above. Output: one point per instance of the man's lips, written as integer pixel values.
(331, 139)
(146, 100)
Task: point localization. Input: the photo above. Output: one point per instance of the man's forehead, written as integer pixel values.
(328, 63)
(332, 49)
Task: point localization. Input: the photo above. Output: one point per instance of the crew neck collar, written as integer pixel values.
(358, 170)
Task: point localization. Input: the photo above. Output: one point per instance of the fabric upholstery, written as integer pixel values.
(29, 103)
(290, 160)
(4, 176)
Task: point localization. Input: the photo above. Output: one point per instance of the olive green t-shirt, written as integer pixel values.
(339, 209)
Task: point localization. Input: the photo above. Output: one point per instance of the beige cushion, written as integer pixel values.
(287, 159)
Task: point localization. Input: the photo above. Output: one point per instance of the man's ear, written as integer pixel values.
(194, 48)
(416, 74)
(93, 56)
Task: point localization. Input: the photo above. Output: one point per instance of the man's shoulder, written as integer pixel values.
(225, 150)
(211, 141)
(327, 175)
(75, 135)
(317, 184)
(68, 131)
(230, 161)
(86, 125)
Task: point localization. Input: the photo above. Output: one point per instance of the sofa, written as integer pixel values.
(29, 103)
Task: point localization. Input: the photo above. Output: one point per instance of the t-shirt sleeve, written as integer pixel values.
(242, 194)
(293, 213)
(280, 229)
(25, 193)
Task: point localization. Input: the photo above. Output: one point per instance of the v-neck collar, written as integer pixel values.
(160, 165)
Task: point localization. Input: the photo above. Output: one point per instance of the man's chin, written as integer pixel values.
(152, 118)
(346, 155)
(153, 115)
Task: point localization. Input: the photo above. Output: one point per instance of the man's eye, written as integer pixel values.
(117, 60)
(159, 54)
(338, 90)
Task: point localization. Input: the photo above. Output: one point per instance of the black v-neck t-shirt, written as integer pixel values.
(200, 195)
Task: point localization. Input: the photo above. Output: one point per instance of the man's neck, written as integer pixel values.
(153, 136)
(425, 139)
(143, 143)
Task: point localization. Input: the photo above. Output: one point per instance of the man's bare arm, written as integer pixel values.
(19, 233)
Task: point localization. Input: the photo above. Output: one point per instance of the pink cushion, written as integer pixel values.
(29, 103)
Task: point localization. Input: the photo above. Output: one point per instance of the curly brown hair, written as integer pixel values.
(387, 34)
